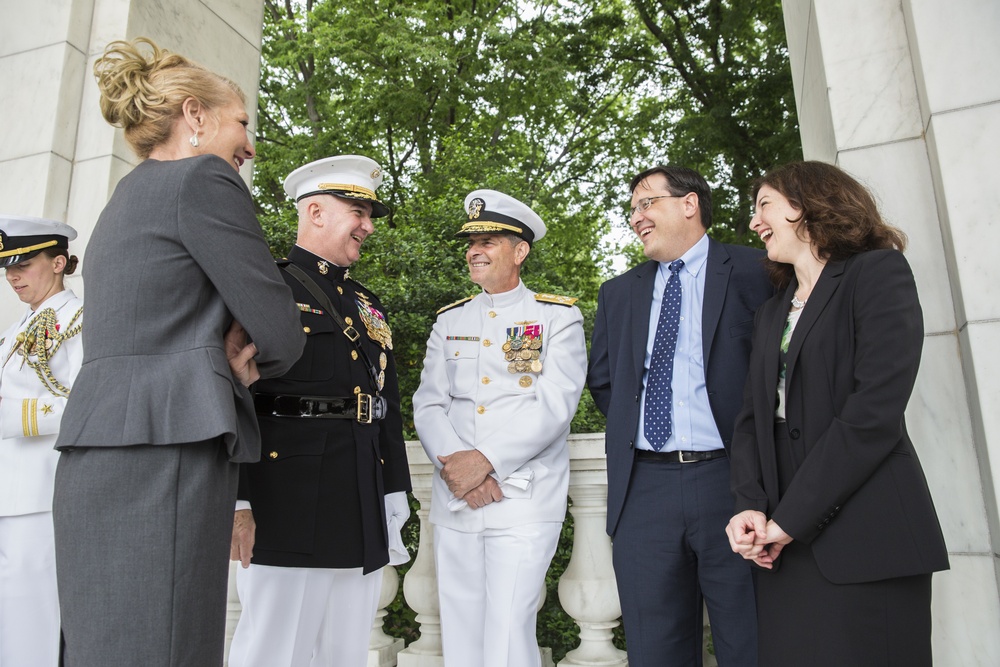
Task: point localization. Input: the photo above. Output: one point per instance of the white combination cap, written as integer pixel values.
(347, 176)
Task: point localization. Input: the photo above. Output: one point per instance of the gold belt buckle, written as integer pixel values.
(364, 408)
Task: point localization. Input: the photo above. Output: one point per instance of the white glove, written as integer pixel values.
(397, 511)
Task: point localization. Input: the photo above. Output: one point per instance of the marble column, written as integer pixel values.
(58, 157)
(904, 95)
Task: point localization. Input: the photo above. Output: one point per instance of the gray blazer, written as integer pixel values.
(176, 255)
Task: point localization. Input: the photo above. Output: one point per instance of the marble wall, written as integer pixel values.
(58, 157)
(903, 94)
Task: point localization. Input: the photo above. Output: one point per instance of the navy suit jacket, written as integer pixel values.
(735, 285)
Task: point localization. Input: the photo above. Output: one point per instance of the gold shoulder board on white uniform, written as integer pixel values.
(455, 304)
(557, 299)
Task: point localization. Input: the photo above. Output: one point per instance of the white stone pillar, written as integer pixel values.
(58, 157)
(382, 648)
(587, 589)
(904, 95)
(420, 583)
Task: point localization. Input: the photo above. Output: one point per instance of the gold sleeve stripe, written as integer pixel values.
(29, 416)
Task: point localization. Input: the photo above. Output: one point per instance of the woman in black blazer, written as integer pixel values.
(831, 500)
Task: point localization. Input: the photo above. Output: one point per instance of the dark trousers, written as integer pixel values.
(671, 554)
(142, 554)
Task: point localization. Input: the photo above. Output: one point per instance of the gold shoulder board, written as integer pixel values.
(557, 299)
(456, 304)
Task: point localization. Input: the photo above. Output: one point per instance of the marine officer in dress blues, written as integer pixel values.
(321, 512)
(501, 381)
(41, 354)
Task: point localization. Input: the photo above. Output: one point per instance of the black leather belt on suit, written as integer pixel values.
(678, 457)
(362, 408)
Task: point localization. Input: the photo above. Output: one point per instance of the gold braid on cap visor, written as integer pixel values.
(485, 226)
(30, 248)
(348, 188)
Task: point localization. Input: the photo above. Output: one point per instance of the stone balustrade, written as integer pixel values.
(587, 590)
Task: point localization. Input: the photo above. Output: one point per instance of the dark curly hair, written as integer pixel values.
(838, 212)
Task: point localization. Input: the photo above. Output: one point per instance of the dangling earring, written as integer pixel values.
(194, 140)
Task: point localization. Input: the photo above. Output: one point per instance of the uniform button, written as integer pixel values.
(525, 381)
(492, 314)
(273, 455)
(357, 390)
(486, 380)
(481, 409)
(354, 355)
(349, 321)
(794, 434)
(340, 290)
(487, 342)
(306, 329)
(383, 461)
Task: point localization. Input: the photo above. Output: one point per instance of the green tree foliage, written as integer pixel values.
(722, 66)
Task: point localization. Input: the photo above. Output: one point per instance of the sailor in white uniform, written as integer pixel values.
(501, 381)
(41, 354)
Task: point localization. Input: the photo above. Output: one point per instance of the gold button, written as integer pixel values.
(354, 355)
(273, 455)
(492, 314)
(340, 290)
(349, 321)
(383, 461)
(357, 390)
(486, 380)
(487, 342)
(525, 381)
(456, 353)
(306, 329)
(481, 409)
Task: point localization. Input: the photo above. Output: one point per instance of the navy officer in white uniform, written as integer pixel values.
(501, 381)
(41, 354)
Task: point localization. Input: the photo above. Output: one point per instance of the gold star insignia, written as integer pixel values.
(47, 409)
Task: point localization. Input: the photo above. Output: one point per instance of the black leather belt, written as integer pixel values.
(362, 408)
(678, 457)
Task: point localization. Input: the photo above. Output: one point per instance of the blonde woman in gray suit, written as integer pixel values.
(158, 420)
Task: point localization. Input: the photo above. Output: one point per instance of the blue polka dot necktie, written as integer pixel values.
(659, 392)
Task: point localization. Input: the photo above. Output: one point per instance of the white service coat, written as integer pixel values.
(30, 414)
(468, 399)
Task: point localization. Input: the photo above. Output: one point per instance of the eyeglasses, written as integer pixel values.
(644, 204)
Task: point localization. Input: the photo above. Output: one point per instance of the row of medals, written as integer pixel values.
(523, 354)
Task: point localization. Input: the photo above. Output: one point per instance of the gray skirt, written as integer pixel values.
(142, 548)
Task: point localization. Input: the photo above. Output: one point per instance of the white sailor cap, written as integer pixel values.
(23, 237)
(492, 212)
(347, 176)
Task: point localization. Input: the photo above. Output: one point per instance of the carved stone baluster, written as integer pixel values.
(382, 648)
(420, 583)
(587, 589)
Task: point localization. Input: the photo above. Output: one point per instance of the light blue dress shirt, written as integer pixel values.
(694, 426)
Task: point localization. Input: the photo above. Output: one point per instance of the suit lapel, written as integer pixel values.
(775, 327)
(717, 270)
(641, 299)
(826, 287)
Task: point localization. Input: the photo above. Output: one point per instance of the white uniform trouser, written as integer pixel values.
(489, 586)
(304, 617)
(29, 603)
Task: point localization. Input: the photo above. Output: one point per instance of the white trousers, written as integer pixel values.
(489, 587)
(304, 617)
(29, 603)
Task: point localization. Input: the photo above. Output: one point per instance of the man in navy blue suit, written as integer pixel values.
(668, 362)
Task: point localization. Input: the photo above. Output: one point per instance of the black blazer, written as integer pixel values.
(735, 285)
(859, 497)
